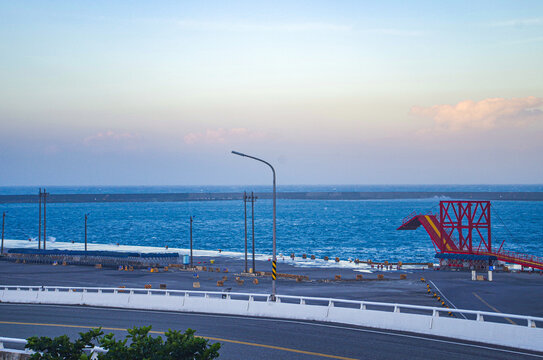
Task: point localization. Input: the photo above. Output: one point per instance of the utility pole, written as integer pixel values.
(191, 241)
(86, 217)
(245, 207)
(44, 217)
(3, 221)
(253, 199)
(39, 221)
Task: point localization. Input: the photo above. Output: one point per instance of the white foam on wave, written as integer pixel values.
(298, 261)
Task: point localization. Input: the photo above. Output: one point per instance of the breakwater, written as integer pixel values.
(309, 195)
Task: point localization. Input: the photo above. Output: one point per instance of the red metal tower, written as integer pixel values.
(464, 228)
(467, 223)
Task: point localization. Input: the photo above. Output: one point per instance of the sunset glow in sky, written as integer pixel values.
(331, 92)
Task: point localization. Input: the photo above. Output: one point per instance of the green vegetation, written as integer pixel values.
(138, 345)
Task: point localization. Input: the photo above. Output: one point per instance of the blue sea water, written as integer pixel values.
(357, 229)
(25, 190)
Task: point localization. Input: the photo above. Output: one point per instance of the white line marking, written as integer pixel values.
(449, 301)
(297, 322)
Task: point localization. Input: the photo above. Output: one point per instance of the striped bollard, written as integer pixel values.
(274, 270)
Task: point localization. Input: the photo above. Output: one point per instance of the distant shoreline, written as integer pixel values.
(179, 197)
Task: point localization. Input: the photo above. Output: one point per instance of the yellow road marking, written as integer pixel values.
(492, 307)
(205, 337)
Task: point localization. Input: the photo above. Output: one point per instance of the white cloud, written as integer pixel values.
(240, 26)
(109, 136)
(288, 27)
(222, 136)
(484, 114)
(517, 22)
(394, 32)
(525, 41)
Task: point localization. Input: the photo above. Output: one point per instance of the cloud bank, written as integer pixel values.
(109, 136)
(222, 136)
(518, 22)
(110, 142)
(244, 27)
(485, 114)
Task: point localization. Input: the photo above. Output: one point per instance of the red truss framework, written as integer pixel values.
(467, 223)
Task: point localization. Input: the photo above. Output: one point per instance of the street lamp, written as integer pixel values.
(274, 259)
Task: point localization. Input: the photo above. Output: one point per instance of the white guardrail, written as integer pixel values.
(517, 331)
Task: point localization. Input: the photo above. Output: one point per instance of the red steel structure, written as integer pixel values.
(468, 222)
(464, 227)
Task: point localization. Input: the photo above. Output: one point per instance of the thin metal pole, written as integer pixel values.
(274, 225)
(44, 217)
(3, 221)
(274, 260)
(245, 218)
(191, 241)
(86, 217)
(253, 227)
(39, 221)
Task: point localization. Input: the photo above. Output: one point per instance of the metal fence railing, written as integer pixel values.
(475, 315)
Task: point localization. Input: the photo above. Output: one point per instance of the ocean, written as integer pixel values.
(346, 229)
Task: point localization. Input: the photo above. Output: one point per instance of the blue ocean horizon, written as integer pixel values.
(364, 229)
(160, 189)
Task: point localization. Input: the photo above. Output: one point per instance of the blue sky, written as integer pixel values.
(330, 92)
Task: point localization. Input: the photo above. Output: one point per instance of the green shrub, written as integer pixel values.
(138, 345)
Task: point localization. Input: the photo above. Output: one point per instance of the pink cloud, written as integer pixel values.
(109, 136)
(112, 142)
(221, 136)
(484, 114)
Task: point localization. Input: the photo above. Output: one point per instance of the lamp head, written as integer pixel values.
(238, 153)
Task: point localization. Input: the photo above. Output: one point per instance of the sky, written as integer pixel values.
(329, 92)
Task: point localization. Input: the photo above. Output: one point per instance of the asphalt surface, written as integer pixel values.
(250, 338)
(509, 293)
(320, 283)
(514, 293)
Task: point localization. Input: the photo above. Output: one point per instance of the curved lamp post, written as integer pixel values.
(274, 259)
